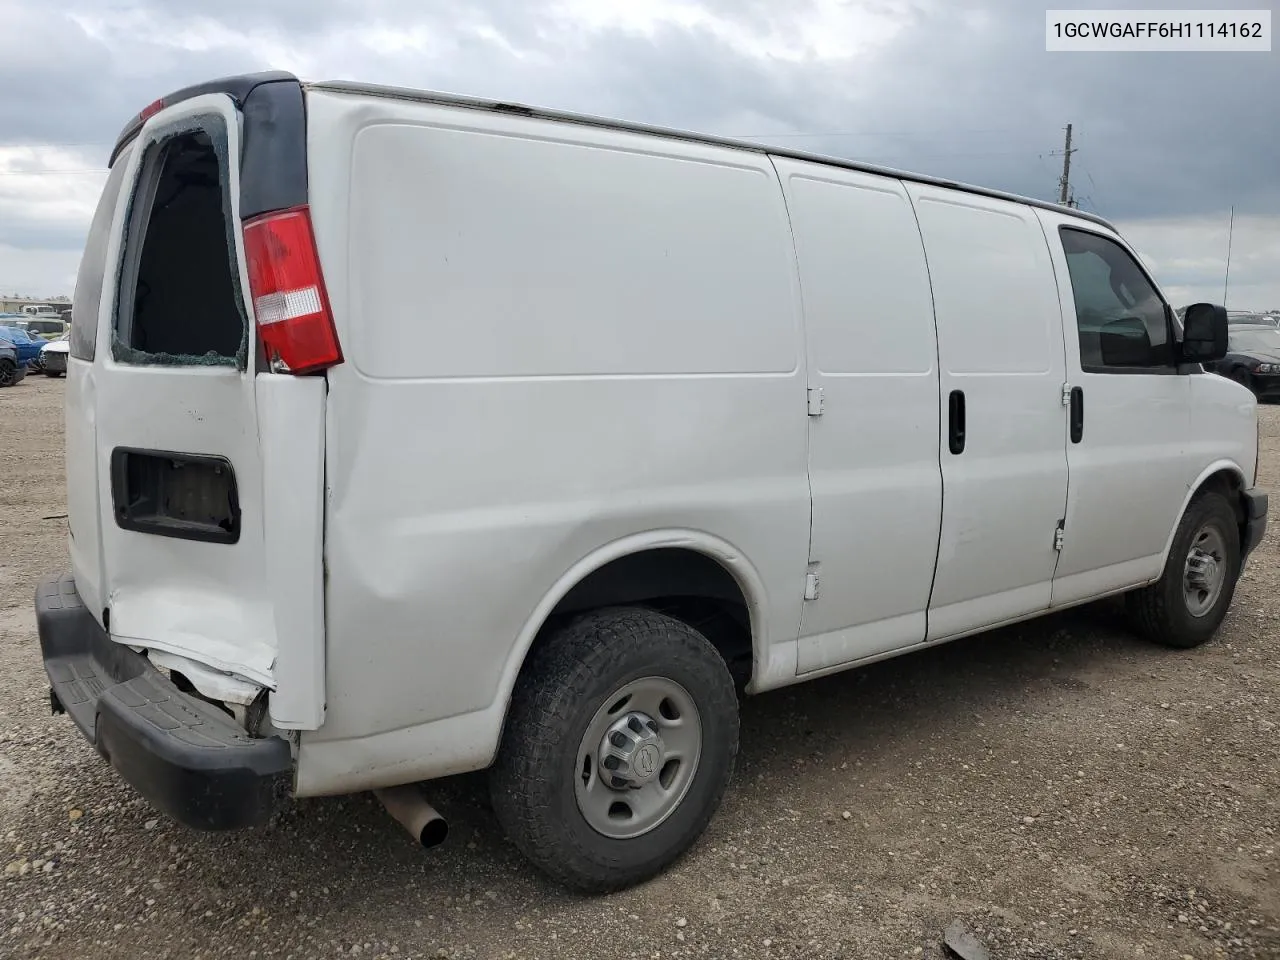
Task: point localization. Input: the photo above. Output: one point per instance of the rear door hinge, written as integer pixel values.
(815, 401)
(1066, 394)
(811, 586)
(1059, 535)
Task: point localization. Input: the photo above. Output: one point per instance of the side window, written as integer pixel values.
(1122, 322)
(93, 265)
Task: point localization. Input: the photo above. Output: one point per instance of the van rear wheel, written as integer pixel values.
(1185, 607)
(619, 745)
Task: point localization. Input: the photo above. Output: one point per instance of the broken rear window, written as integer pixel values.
(179, 296)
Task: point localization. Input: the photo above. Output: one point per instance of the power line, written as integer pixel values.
(1093, 183)
(55, 143)
(49, 173)
(1226, 277)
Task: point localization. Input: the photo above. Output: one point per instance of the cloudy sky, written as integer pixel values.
(1167, 142)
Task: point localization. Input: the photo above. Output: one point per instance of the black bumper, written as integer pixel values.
(187, 757)
(1255, 519)
(54, 362)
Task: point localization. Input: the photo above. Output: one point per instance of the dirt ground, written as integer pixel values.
(1061, 787)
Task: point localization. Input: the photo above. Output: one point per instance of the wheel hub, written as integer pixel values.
(1202, 570)
(1205, 572)
(631, 752)
(637, 757)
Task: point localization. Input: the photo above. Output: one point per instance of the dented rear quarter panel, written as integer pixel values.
(471, 481)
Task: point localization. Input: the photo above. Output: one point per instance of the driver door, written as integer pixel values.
(1129, 455)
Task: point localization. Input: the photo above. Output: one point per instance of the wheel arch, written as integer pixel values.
(1223, 476)
(1236, 368)
(646, 567)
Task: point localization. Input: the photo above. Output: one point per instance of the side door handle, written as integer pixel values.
(955, 420)
(1077, 414)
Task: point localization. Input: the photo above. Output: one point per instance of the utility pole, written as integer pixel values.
(1064, 185)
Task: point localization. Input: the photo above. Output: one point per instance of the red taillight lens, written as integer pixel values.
(289, 299)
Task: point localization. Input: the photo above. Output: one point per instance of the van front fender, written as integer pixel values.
(1222, 466)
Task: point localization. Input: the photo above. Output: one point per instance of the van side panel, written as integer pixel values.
(873, 451)
(556, 337)
(1000, 349)
(101, 250)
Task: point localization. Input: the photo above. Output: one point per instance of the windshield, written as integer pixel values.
(1244, 339)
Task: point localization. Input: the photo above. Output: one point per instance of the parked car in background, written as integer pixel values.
(47, 328)
(1242, 316)
(44, 326)
(1250, 317)
(11, 370)
(54, 356)
(1253, 357)
(28, 347)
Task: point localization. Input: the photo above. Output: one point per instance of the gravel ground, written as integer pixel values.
(1064, 789)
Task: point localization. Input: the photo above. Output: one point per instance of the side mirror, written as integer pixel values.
(1204, 333)
(1125, 343)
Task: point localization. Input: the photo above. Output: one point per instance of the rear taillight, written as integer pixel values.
(289, 299)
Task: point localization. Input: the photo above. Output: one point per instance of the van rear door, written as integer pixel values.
(204, 487)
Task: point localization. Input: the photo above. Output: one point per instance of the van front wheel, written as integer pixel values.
(619, 745)
(1185, 607)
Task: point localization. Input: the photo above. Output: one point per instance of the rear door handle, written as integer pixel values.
(955, 419)
(1077, 414)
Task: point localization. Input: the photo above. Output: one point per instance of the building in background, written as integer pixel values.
(48, 306)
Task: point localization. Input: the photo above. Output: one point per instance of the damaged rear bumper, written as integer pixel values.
(188, 758)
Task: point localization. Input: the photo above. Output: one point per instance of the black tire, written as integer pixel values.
(53, 373)
(8, 372)
(567, 681)
(1160, 612)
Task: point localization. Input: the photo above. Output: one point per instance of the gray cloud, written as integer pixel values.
(39, 235)
(63, 86)
(1158, 134)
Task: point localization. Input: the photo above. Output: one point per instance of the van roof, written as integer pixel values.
(541, 113)
(239, 87)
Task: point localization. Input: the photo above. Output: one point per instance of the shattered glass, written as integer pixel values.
(212, 126)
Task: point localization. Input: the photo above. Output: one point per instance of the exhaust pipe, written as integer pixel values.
(407, 805)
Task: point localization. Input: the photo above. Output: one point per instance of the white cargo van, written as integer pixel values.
(410, 435)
